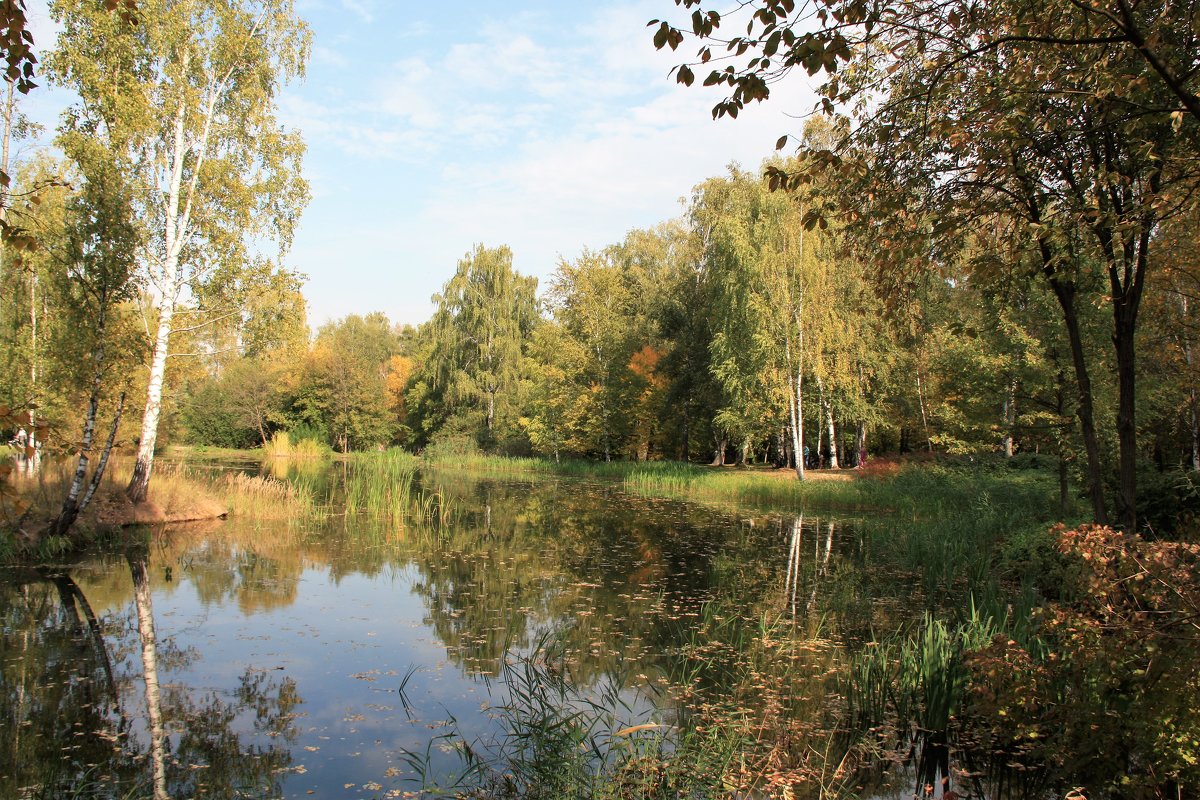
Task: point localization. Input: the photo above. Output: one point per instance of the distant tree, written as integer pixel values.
(479, 332)
(344, 387)
(399, 376)
(1076, 123)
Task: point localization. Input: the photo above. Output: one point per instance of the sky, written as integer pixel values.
(550, 126)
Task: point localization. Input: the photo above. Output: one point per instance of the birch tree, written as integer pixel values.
(481, 328)
(96, 277)
(186, 101)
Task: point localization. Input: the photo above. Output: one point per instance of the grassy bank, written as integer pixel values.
(921, 490)
(176, 495)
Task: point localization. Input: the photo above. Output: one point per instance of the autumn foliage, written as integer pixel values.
(1107, 686)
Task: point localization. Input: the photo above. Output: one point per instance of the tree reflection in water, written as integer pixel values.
(71, 701)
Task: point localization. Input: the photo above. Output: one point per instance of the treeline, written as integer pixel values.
(744, 331)
(1003, 264)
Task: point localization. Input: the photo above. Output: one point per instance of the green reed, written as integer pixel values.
(906, 691)
(554, 739)
(381, 484)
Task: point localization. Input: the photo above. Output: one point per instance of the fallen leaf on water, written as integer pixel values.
(632, 729)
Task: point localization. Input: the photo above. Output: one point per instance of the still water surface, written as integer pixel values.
(312, 659)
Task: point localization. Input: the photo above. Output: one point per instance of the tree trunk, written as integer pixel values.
(1061, 437)
(860, 445)
(1010, 416)
(145, 619)
(98, 475)
(1065, 294)
(924, 416)
(687, 434)
(796, 419)
(70, 506)
(167, 277)
(833, 442)
(1192, 408)
(1126, 418)
(33, 357)
(139, 484)
(719, 455)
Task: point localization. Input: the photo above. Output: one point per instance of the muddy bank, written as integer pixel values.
(116, 510)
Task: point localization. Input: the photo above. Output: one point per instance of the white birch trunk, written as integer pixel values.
(924, 417)
(33, 357)
(1010, 416)
(145, 618)
(833, 444)
(168, 278)
(139, 484)
(796, 387)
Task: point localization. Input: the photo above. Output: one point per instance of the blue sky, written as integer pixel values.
(547, 126)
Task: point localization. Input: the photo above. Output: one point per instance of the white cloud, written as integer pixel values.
(329, 57)
(363, 10)
(546, 137)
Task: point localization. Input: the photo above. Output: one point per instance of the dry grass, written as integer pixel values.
(174, 496)
(267, 498)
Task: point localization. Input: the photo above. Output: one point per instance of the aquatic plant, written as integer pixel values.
(556, 740)
(905, 692)
(266, 498)
(286, 446)
(380, 484)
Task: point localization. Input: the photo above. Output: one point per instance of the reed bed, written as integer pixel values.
(921, 491)
(266, 498)
(509, 465)
(555, 740)
(282, 446)
(383, 486)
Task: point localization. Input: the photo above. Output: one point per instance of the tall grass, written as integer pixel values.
(283, 446)
(381, 484)
(266, 498)
(907, 691)
(507, 465)
(918, 492)
(554, 740)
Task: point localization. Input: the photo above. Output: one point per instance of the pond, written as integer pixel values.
(349, 655)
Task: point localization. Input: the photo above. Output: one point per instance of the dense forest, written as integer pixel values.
(980, 243)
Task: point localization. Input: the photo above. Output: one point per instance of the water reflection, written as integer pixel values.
(145, 622)
(200, 647)
(59, 709)
(27, 465)
(82, 720)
